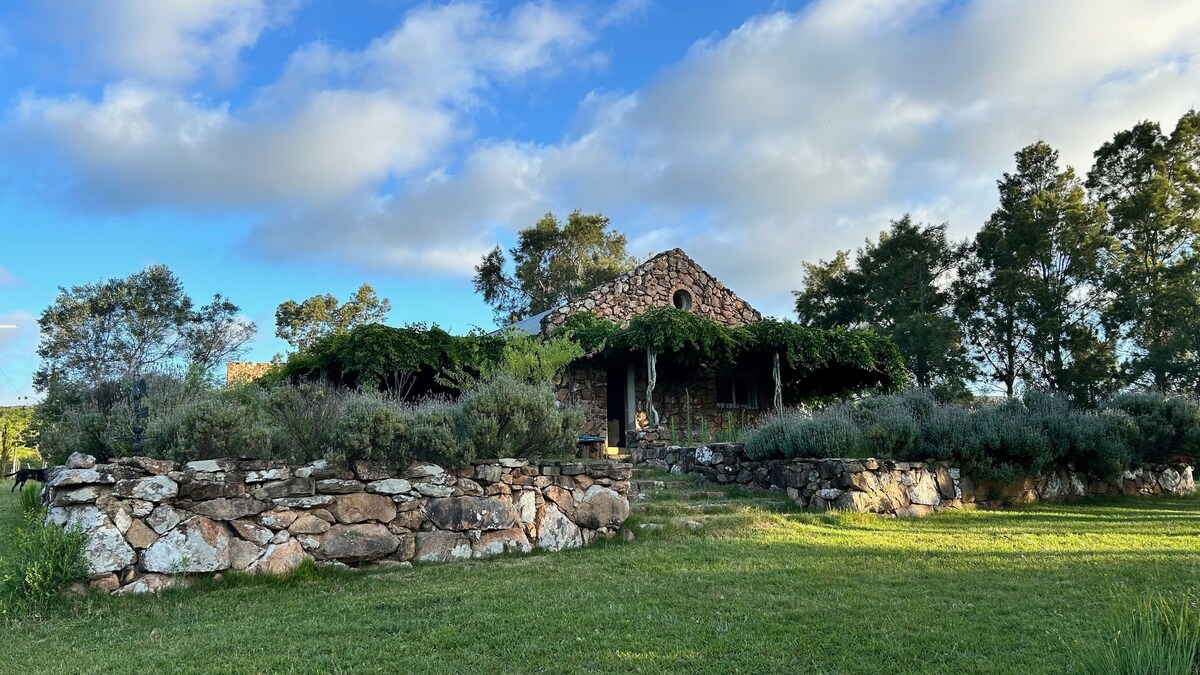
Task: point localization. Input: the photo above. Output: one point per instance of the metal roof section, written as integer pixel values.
(530, 325)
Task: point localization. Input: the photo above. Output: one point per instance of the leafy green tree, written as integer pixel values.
(216, 334)
(115, 329)
(1034, 296)
(303, 323)
(988, 305)
(826, 299)
(1150, 184)
(900, 286)
(553, 263)
(14, 427)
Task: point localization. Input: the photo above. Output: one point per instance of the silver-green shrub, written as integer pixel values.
(796, 434)
(431, 435)
(998, 441)
(303, 419)
(222, 427)
(507, 417)
(826, 436)
(369, 429)
(1164, 427)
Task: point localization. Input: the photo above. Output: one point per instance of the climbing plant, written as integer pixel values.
(814, 362)
(407, 362)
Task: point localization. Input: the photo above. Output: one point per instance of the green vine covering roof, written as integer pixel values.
(814, 362)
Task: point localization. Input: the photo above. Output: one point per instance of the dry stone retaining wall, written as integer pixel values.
(902, 488)
(150, 521)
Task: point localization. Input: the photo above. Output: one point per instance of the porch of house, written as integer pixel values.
(690, 404)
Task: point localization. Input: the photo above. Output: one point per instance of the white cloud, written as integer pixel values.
(335, 126)
(438, 224)
(449, 53)
(790, 137)
(168, 41)
(798, 134)
(140, 146)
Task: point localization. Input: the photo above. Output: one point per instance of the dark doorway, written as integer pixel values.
(615, 385)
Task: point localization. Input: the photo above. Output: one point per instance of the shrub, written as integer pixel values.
(948, 433)
(431, 437)
(994, 441)
(506, 417)
(532, 359)
(42, 560)
(889, 424)
(369, 430)
(304, 420)
(77, 430)
(827, 436)
(219, 427)
(772, 438)
(1158, 636)
(1166, 427)
(796, 435)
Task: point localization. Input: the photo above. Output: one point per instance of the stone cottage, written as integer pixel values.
(612, 391)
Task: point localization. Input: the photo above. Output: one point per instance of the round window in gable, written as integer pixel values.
(682, 300)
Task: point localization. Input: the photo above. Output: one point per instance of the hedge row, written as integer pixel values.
(999, 441)
(502, 417)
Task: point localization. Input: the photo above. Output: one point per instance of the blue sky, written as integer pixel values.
(275, 149)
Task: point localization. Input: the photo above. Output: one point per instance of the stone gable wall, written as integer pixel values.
(902, 489)
(653, 284)
(151, 522)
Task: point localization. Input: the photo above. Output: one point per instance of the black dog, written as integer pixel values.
(23, 475)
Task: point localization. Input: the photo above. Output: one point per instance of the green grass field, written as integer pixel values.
(759, 588)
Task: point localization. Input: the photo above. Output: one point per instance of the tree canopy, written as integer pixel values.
(1078, 288)
(301, 324)
(1031, 291)
(552, 263)
(1150, 184)
(124, 326)
(899, 286)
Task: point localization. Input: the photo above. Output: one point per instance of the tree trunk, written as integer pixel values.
(651, 381)
(778, 384)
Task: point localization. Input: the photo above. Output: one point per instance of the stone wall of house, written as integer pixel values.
(653, 284)
(151, 522)
(241, 372)
(902, 488)
(586, 388)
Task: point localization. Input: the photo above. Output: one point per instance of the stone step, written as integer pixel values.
(644, 485)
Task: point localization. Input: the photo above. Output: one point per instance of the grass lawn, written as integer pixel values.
(755, 590)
